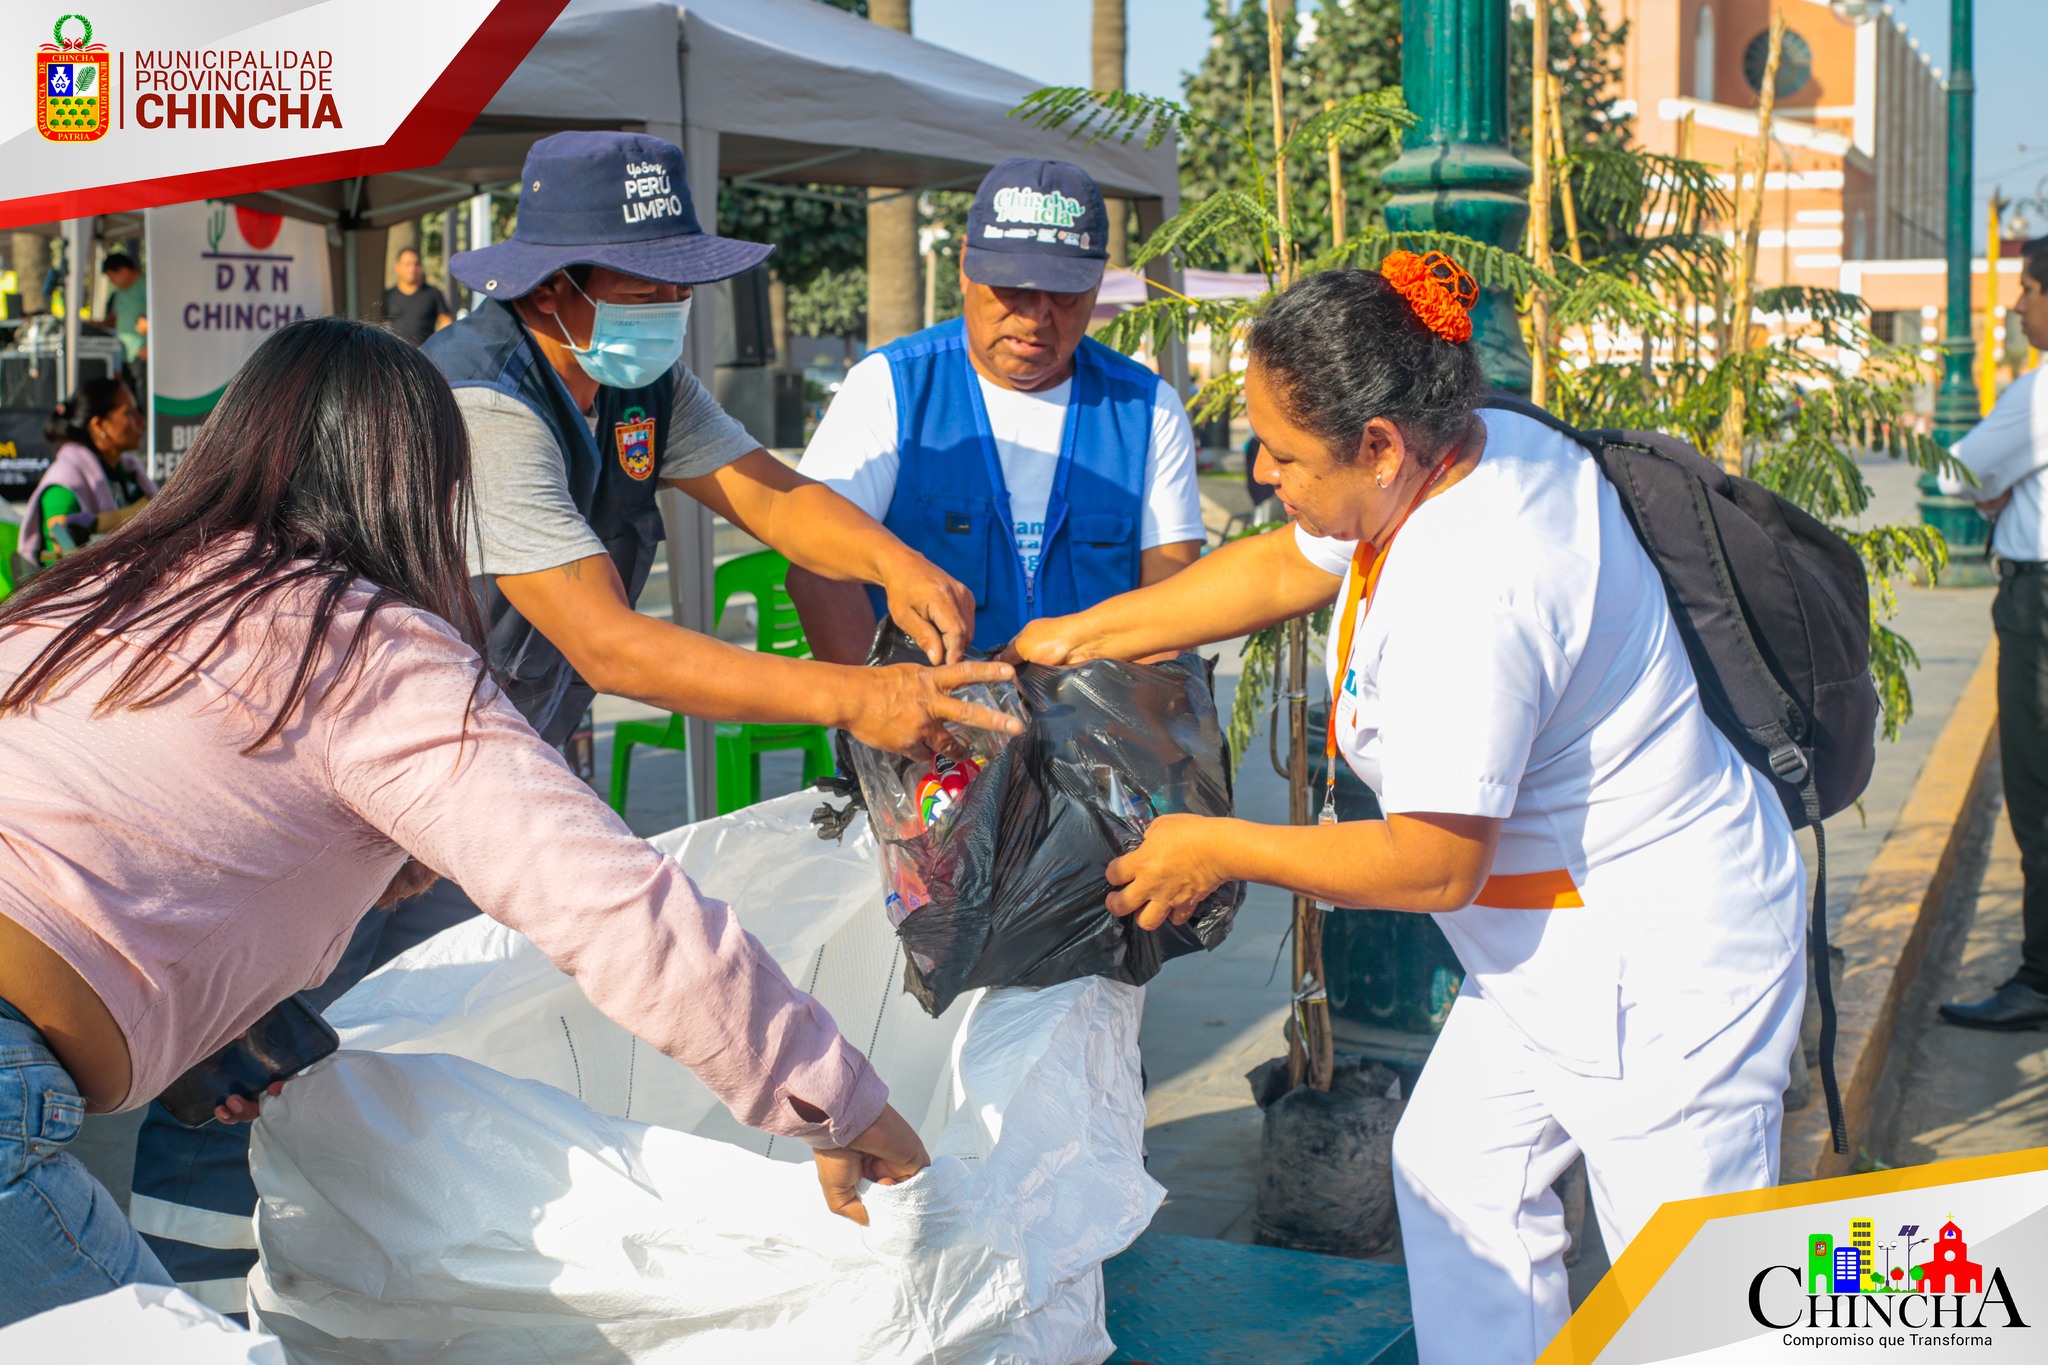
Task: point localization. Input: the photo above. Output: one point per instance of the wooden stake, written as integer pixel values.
(1539, 207)
(1564, 178)
(1338, 208)
(1785, 217)
(1687, 305)
(1284, 250)
(1750, 214)
(1309, 1057)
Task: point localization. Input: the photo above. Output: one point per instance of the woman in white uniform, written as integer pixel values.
(1623, 890)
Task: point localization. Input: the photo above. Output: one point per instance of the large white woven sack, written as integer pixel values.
(492, 1172)
(149, 1323)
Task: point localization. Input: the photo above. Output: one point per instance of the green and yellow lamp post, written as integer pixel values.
(1455, 172)
(1956, 406)
(1392, 977)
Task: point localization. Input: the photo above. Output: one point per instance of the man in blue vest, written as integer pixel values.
(570, 380)
(1036, 466)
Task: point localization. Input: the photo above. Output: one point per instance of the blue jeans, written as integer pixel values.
(62, 1237)
(193, 1198)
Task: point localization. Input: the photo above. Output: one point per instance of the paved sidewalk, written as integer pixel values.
(1966, 1092)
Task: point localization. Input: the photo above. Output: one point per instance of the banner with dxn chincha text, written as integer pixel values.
(222, 278)
(135, 103)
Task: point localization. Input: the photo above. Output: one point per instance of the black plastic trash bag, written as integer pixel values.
(995, 870)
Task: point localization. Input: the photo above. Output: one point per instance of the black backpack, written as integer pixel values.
(1774, 609)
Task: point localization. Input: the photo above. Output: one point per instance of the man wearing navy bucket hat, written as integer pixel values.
(570, 379)
(1035, 465)
(579, 408)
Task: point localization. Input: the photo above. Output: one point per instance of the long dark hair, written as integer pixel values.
(339, 451)
(72, 420)
(1346, 348)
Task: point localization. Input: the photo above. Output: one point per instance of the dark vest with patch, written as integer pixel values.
(611, 480)
(951, 504)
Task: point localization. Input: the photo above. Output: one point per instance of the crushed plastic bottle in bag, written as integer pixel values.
(999, 878)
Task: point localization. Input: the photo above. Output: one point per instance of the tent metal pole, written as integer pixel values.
(319, 213)
(462, 298)
(77, 257)
(688, 522)
(407, 208)
(479, 220)
(351, 275)
(806, 164)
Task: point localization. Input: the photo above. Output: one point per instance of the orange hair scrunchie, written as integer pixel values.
(1437, 288)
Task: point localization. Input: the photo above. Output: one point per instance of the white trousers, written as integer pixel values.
(1493, 1122)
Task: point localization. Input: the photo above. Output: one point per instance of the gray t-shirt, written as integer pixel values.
(525, 519)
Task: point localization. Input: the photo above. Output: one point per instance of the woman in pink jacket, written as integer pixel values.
(233, 727)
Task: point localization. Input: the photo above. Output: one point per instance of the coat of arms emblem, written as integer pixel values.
(636, 446)
(72, 102)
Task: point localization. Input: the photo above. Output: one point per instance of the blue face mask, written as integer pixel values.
(631, 345)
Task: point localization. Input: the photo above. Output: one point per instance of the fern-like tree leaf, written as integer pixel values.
(1097, 115)
(1369, 117)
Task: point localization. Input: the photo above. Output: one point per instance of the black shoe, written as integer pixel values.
(2011, 1007)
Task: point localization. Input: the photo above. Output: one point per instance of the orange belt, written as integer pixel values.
(1530, 891)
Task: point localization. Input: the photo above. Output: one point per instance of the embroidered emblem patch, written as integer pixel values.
(636, 447)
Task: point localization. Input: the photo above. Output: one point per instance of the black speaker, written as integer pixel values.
(746, 336)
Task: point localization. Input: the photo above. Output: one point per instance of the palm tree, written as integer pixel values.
(895, 303)
(1106, 53)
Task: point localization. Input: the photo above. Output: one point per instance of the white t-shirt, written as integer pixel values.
(854, 453)
(2009, 449)
(1519, 662)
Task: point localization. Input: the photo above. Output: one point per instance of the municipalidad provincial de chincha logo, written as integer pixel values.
(71, 83)
(83, 90)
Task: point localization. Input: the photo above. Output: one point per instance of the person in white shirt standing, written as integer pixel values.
(1624, 891)
(2008, 454)
(1040, 468)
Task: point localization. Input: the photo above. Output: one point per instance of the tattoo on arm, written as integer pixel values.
(573, 569)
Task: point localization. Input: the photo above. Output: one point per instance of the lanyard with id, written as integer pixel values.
(1366, 563)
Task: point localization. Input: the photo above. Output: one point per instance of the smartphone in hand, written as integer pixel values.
(284, 1042)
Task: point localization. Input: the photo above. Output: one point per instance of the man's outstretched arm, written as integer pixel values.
(820, 531)
(581, 608)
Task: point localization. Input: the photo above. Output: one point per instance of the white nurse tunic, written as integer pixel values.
(1634, 970)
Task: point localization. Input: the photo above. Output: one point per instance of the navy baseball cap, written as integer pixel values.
(618, 200)
(1037, 225)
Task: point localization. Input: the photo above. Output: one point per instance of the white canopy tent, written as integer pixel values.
(763, 91)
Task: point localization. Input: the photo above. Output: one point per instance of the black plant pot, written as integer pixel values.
(1326, 1160)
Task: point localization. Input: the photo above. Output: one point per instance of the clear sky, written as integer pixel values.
(2012, 103)
(1048, 39)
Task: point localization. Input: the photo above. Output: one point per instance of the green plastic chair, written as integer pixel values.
(10, 539)
(760, 575)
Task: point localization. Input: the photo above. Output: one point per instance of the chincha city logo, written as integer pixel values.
(1863, 1292)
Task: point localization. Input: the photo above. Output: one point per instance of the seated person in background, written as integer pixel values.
(95, 484)
(1037, 466)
